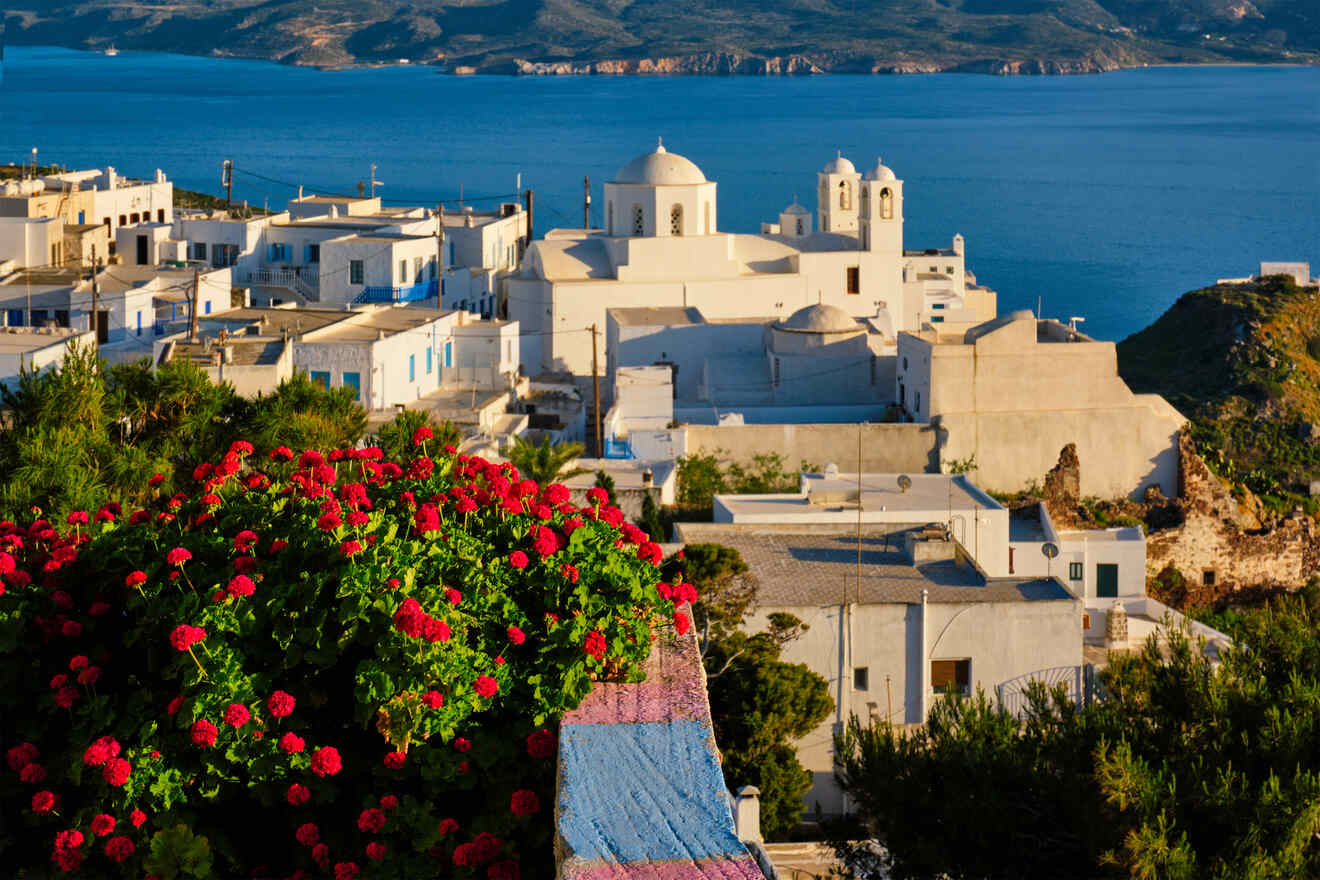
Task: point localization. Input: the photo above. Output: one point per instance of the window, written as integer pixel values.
(676, 220)
(956, 674)
(199, 250)
(354, 381)
(431, 269)
(403, 271)
(801, 227)
(134, 218)
(417, 268)
(428, 361)
(937, 305)
(1075, 571)
(354, 271)
(886, 205)
(948, 270)
(935, 269)
(160, 215)
(139, 323)
(609, 223)
(206, 307)
(845, 196)
(639, 221)
(1208, 577)
(14, 318)
(277, 253)
(61, 317)
(905, 363)
(937, 319)
(854, 279)
(312, 253)
(38, 317)
(123, 220)
(916, 402)
(412, 368)
(321, 379)
(861, 678)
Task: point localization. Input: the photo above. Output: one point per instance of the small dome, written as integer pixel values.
(660, 168)
(880, 172)
(795, 208)
(839, 165)
(819, 319)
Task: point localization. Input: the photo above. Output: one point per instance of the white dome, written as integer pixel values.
(819, 319)
(660, 168)
(795, 208)
(880, 172)
(840, 165)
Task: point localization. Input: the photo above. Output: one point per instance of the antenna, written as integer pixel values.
(1049, 550)
(904, 483)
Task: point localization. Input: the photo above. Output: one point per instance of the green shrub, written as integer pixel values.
(328, 651)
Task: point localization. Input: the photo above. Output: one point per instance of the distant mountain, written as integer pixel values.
(694, 36)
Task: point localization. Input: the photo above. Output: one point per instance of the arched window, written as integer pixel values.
(801, 227)
(639, 221)
(845, 196)
(886, 205)
(609, 224)
(706, 219)
(866, 199)
(676, 220)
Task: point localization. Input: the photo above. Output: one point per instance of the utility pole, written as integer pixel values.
(96, 298)
(528, 196)
(227, 179)
(859, 513)
(595, 386)
(586, 203)
(192, 312)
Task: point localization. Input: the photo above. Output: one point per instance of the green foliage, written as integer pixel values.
(86, 433)
(1185, 770)
(395, 438)
(652, 523)
(726, 589)
(545, 463)
(960, 465)
(700, 478)
(388, 623)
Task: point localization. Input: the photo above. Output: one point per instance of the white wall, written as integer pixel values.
(380, 259)
(29, 241)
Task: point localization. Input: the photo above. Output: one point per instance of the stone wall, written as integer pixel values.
(1212, 538)
(886, 448)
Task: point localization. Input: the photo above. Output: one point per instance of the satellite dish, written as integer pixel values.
(1049, 550)
(905, 483)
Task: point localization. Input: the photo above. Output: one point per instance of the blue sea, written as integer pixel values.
(1102, 196)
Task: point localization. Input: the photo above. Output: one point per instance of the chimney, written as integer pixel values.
(1116, 627)
(747, 814)
(648, 478)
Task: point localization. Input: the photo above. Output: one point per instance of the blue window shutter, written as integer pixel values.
(428, 361)
(412, 368)
(270, 253)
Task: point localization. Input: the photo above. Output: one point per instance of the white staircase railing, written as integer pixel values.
(305, 286)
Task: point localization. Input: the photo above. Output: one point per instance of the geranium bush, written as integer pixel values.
(312, 665)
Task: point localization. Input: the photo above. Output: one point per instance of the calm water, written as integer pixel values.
(1106, 196)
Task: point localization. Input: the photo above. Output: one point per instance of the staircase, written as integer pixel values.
(801, 861)
(287, 279)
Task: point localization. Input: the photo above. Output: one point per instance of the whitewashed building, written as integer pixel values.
(661, 247)
(29, 348)
(481, 249)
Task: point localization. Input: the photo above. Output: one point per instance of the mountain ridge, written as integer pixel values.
(694, 36)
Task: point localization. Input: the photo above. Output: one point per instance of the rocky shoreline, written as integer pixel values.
(730, 64)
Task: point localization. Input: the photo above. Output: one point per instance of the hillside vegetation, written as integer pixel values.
(694, 36)
(1242, 362)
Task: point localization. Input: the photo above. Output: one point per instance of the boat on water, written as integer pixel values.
(112, 51)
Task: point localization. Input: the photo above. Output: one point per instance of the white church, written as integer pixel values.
(661, 247)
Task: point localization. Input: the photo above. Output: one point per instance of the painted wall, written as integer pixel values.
(886, 448)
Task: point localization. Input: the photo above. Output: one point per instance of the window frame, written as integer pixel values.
(963, 688)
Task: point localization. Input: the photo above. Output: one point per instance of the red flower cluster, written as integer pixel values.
(44, 802)
(595, 645)
(371, 820)
(101, 751)
(677, 593)
(516, 636)
(524, 803)
(375, 851)
(298, 795)
(280, 704)
(486, 686)
(434, 699)
(480, 850)
(236, 715)
(541, 744)
(518, 559)
(185, 636)
(103, 824)
(204, 733)
(308, 834)
(325, 761)
(178, 556)
(681, 622)
(395, 760)
(412, 621)
(118, 849)
(292, 743)
(116, 771)
(241, 585)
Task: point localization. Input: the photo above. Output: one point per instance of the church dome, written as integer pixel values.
(660, 168)
(880, 172)
(839, 165)
(795, 208)
(819, 319)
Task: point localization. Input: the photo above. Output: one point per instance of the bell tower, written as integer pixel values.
(838, 189)
(881, 221)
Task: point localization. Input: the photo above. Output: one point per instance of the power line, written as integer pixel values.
(424, 200)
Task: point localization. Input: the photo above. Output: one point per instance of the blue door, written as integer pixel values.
(14, 318)
(354, 381)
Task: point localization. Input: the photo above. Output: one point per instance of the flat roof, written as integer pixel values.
(880, 494)
(270, 322)
(642, 316)
(804, 566)
(367, 326)
(16, 340)
(248, 351)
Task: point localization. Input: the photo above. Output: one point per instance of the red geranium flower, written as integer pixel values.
(103, 824)
(486, 686)
(518, 559)
(395, 760)
(681, 622)
(137, 817)
(516, 636)
(236, 715)
(346, 870)
(71, 839)
(434, 699)
(292, 743)
(117, 849)
(175, 705)
(462, 744)
(371, 820)
(375, 851)
(595, 645)
(280, 704)
(116, 771)
(503, 870)
(541, 744)
(178, 556)
(32, 774)
(44, 801)
(447, 826)
(348, 548)
(422, 434)
(185, 636)
(298, 795)
(241, 585)
(524, 803)
(135, 578)
(24, 753)
(204, 733)
(325, 761)
(308, 834)
(389, 802)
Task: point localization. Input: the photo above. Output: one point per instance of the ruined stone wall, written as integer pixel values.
(1212, 537)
